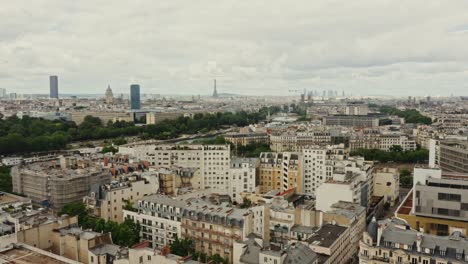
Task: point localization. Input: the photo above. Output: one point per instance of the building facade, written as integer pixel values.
(160, 218)
(243, 175)
(212, 161)
(391, 241)
(109, 200)
(454, 155)
(280, 171)
(55, 185)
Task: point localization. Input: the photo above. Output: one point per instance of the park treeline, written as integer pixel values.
(35, 134)
(412, 116)
(394, 155)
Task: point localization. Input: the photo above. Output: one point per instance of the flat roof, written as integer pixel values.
(326, 235)
(23, 254)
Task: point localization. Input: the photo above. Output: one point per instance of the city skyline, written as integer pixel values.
(259, 48)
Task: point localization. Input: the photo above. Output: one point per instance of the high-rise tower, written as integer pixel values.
(135, 103)
(53, 81)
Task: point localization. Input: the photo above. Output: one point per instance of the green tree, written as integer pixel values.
(246, 203)
(124, 234)
(109, 148)
(406, 179)
(396, 148)
(182, 247)
(5, 180)
(75, 209)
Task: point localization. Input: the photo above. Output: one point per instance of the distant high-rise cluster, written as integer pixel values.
(135, 103)
(53, 87)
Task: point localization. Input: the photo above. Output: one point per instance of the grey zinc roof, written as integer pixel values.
(452, 245)
(250, 161)
(296, 253)
(300, 254)
(110, 249)
(326, 235)
(303, 229)
(163, 199)
(251, 253)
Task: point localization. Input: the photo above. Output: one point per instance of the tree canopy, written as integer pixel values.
(410, 115)
(5, 180)
(395, 155)
(124, 234)
(36, 134)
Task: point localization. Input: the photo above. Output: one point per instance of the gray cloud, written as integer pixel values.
(252, 47)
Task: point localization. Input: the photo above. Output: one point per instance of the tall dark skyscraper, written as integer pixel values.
(53, 87)
(135, 103)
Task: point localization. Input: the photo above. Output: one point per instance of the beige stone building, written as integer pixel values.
(280, 171)
(108, 200)
(105, 116)
(62, 236)
(156, 117)
(212, 161)
(244, 139)
(391, 241)
(387, 184)
(214, 229)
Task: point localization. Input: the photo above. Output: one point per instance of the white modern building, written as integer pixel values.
(160, 219)
(318, 165)
(213, 161)
(243, 175)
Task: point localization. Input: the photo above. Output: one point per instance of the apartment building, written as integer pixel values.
(244, 139)
(454, 155)
(280, 171)
(367, 138)
(434, 153)
(213, 161)
(351, 182)
(358, 109)
(107, 201)
(105, 116)
(61, 236)
(143, 254)
(373, 138)
(387, 184)
(8, 228)
(391, 241)
(53, 184)
(318, 163)
(332, 243)
(351, 121)
(438, 202)
(282, 220)
(296, 141)
(243, 176)
(171, 181)
(350, 215)
(388, 140)
(26, 254)
(156, 117)
(214, 229)
(160, 218)
(254, 251)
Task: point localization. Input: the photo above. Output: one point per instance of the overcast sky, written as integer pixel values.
(413, 47)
